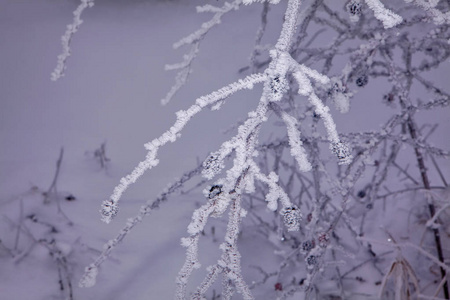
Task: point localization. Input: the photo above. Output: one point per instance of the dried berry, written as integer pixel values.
(212, 166)
(292, 218)
(354, 8)
(278, 86)
(214, 191)
(323, 239)
(309, 217)
(342, 152)
(109, 209)
(308, 245)
(278, 286)
(362, 80)
(336, 88)
(388, 98)
(311, 261)
(274, 84)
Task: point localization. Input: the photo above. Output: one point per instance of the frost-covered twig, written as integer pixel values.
(305, 209)
(194, 39)
(386, 16)
(433, 258)
(110, 208)
(429, 6)
(431, 222)
(91, 271)
(259, 35)
(66, 39)
(53, 190)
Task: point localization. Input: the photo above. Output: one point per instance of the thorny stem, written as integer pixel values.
(423, 171)
(410, 126)
(431, 207)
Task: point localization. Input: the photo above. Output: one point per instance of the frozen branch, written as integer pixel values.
(66, 39)
(110, 208)
(194, 39)
(386, 16)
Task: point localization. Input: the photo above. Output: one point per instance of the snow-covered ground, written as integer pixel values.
(111, 94)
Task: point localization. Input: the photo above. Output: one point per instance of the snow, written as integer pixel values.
(102, 98)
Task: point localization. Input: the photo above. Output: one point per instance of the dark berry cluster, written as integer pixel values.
(212, 165)
(275, 84)
(278, 86)
(214, 191)
(323, 239)
(292, 218)
(109, 209)
(311, 260)
(278, 286)
(342, 152)
(354, 8)
(389, 98)
(361, 194)
(308, 245)
(362, 80)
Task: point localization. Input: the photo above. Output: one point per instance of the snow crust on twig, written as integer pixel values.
(66, 39)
